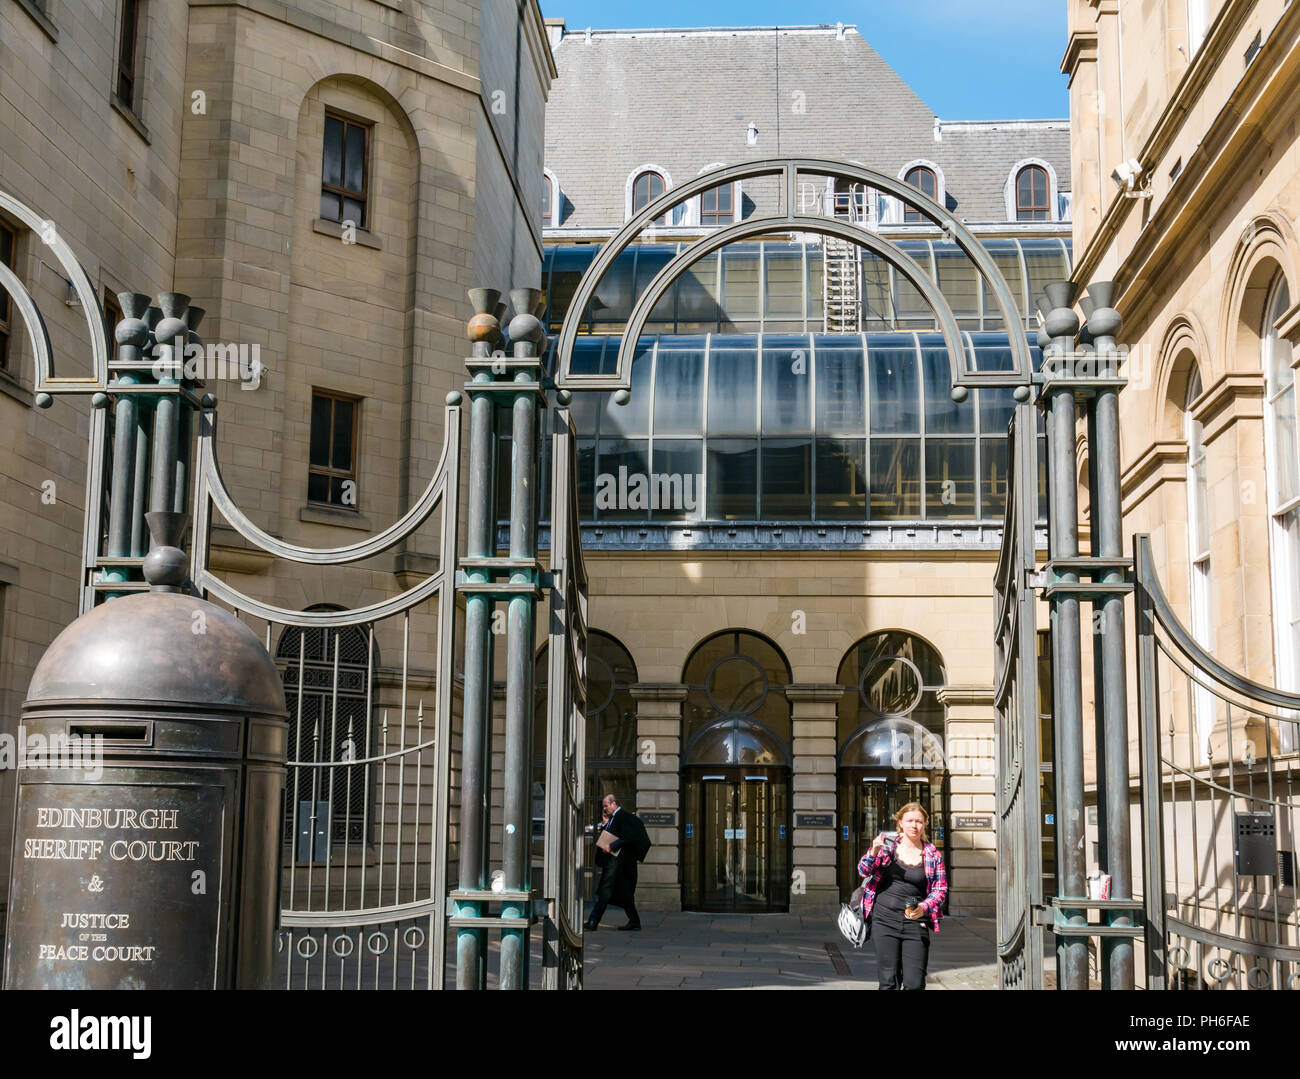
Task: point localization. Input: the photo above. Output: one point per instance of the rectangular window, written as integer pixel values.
(345, 167)
(128, 51)
(332, 476)
(8, 242)
(716, 206)
(112, 316)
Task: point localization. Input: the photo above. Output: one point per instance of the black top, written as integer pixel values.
(901, 886)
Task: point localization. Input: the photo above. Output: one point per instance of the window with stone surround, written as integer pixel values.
(1282, 456)
(1198, 553)
(332, 475)
(345, 169)
(128, 54)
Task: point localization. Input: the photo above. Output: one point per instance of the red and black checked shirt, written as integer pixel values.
(871, 869)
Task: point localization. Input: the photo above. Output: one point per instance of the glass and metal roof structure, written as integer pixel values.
(777, 286)
(749, 427)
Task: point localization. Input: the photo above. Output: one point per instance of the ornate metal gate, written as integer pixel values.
(368, 824)
(565, 717)
(1015, 700)
(1220, 794)
(367, 816)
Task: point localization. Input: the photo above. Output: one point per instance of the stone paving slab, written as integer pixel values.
(777, 951)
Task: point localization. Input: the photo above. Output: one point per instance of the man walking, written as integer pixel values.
(626, 845)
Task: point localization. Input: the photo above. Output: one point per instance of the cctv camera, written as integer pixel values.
(1127, 174)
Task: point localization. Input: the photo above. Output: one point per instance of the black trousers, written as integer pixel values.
(605, 895)
(902, 950)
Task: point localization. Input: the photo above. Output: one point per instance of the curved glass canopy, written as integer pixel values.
(736, 741)
(898, 743)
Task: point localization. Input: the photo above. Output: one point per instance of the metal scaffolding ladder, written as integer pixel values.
(842, 287)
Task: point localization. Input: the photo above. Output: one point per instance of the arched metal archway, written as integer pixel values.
(789, 170)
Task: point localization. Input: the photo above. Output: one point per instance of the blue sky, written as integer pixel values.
(968, 59)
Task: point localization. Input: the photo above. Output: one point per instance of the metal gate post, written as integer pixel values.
(527, 338)
(471, 943)
(1072, 951)
(1153, 825)
(1108, 543)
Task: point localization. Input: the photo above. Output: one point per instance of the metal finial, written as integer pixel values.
(165, 565)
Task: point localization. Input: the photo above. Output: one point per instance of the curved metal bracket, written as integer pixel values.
(1149, 581)
(212, 484)
(663, 280)
(789, 170)
(46, 380)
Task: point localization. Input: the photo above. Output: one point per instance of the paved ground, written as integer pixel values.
(770, 951)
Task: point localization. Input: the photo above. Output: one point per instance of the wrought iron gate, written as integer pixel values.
(1015, 702)
(367, 794)
(1220, 794)
(565, 718)
(367, 823)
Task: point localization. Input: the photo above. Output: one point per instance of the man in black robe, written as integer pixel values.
(629, 845)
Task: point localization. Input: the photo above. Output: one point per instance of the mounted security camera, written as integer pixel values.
(1128, 178)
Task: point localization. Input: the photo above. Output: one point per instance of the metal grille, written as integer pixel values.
(1220, 822)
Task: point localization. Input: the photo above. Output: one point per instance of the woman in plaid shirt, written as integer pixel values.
(903, 889)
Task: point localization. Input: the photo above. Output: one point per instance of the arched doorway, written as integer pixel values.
(610, 743)
(328, 803)
(736, 776)
(891, 743)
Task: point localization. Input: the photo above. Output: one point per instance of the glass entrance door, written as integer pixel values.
(741, 849)
(868, 800)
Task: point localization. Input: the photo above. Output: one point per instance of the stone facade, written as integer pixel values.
(212, 188)
(1200, 100)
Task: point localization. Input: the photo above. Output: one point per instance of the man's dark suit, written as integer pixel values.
(618, 872)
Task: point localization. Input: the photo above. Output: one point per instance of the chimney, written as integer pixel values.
(554, 31)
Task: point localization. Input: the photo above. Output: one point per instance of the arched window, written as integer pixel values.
(1033, 194)
(717, 205)
(890, 735)
(647, 187)
(548, 200)
(894, 676)
(1198, 552)
(329, 721)
(923, 179)
(735, 679)
(610, 748)
(1283, 466)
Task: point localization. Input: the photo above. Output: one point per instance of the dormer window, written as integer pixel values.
(1033, 194)
(923, 179)
(647, 187)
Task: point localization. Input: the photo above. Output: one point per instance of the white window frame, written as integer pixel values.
(1198, 24)
(676, 215)
(696, 207)
(1053, 190)
(940, 194)
(557, 200)
(1284, 555)
(1204, 704)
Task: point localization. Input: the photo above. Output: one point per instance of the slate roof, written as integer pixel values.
(683, 100)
